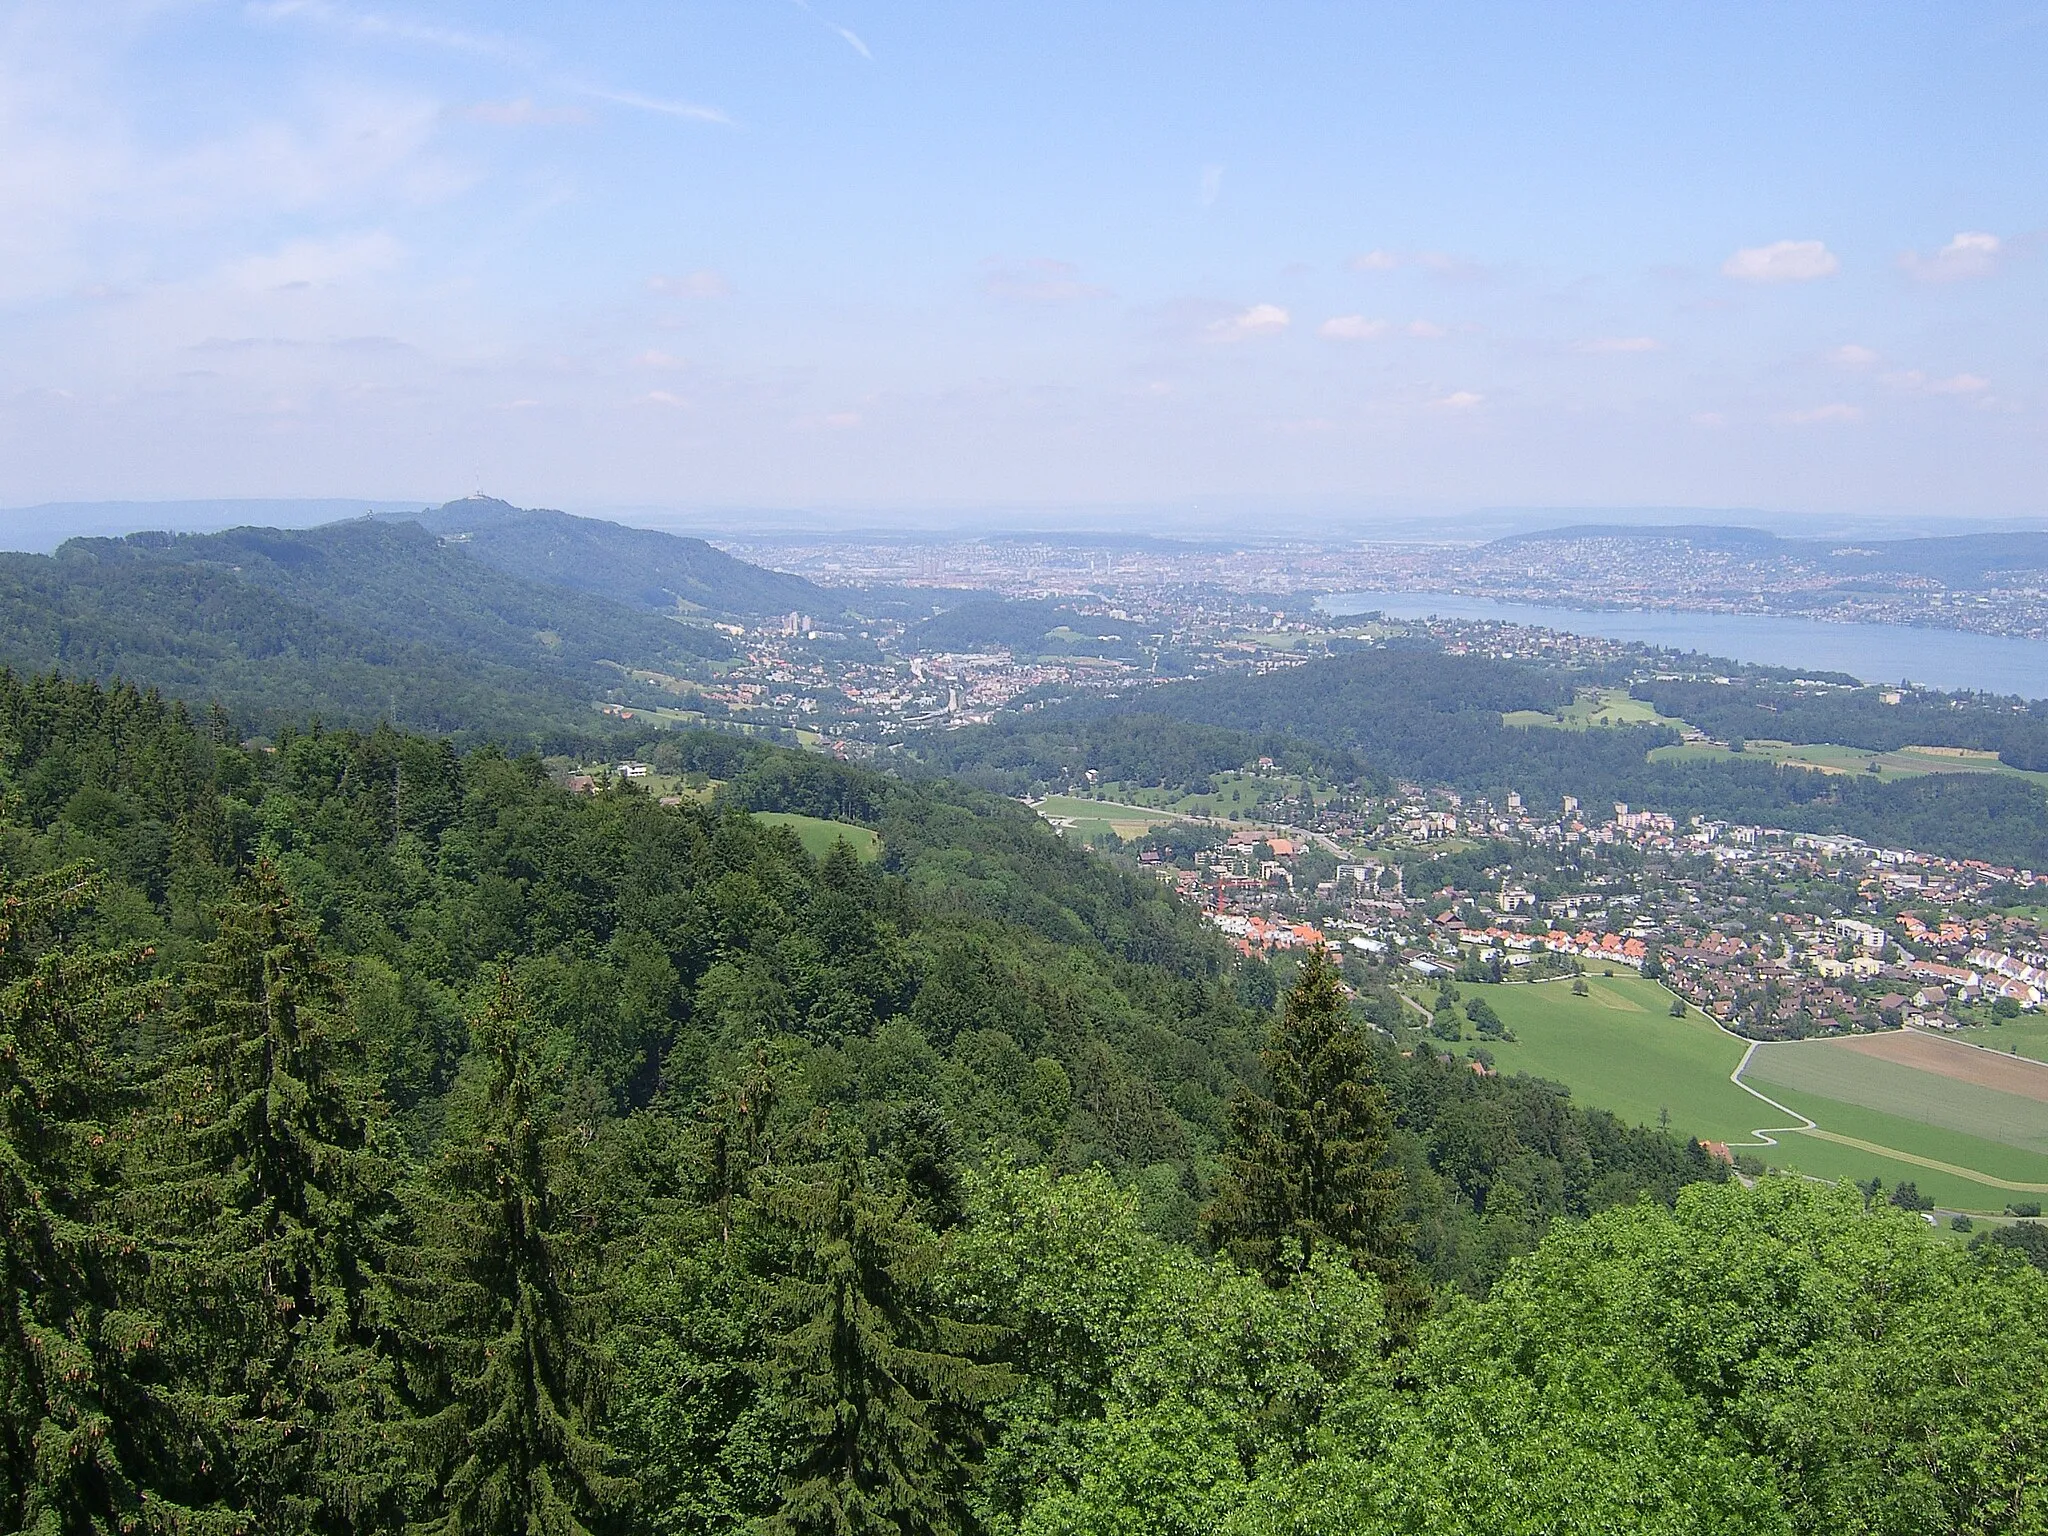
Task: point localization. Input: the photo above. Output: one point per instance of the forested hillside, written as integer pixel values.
(1436, 719)
(393, 1140)
(644, 567)
(1877, 719)
(351, 622)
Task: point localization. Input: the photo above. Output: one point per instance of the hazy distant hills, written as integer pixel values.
(1038, 625)
(509, 625)
(642, 567)
(1970, 560)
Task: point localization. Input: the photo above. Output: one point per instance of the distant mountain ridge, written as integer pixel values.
(382, 617)
(1957, 560)
(642, 567)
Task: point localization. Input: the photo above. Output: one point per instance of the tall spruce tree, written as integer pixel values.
(1305, 1162)
(281, 1206)
(882, 1391)
(87, 1442)
(505, 1313)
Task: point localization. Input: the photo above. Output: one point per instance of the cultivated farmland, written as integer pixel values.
(1965, 1145)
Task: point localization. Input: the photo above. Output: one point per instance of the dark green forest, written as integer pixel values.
(1857, 717)
(1436, 719)
(391, 1141)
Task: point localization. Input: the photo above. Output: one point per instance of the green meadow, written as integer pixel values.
(2024, 1036)
(1617, 1048)
(818, 835)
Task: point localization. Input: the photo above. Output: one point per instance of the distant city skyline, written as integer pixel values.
(883, 265)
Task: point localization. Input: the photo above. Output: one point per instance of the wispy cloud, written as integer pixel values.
(523, 113)
(1969, 254)
(695, 112)
(379, 26)
(845, 34)
(1835, 411)
(1210, 186)
(1042, 280)
(1460, 400)
(1353, 328)
(1913, 381)
(1615, 344)
(1259, 320)
(701, 284)
(1441, 263)
(316, 263)
(1852, 355)
(1782, 261)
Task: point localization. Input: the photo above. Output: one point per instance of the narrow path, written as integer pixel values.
(1812, 1128)
(1763, 1132)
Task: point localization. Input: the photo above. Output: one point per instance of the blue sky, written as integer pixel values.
(1313, 261)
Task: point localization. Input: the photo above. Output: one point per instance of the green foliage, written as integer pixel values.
(881, 1391)
(87, 1442)
(279, 1208)
(831, 1194)
(1308, 1170)
(502, 1299)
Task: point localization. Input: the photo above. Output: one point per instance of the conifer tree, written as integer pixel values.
(1305, 1170)
(281, 1203)
(882, 1390)
(506, 1316)
(85, 1442)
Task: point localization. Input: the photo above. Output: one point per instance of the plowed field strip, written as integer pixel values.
(1949, 1058)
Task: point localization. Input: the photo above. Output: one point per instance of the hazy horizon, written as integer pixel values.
(864, 255)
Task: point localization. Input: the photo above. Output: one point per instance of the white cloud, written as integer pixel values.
(1460, 400)
(1427, 330)
(657, 359)
(375, 26)
(316, 263)
(1619, 344)
(1352, 328)
(1851, 355)
(1784, 261)
(842, 421)
(1709, 419)
(693, 111)
(701, 284)
(1211, 186)
(664, 397)
(1836, 411)
(522, 113)
(1969, 254)
(1914, 382)
(1375, 261)
(1259, 320)
(1042, 280)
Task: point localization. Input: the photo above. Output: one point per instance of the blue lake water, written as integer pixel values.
(1877, 653)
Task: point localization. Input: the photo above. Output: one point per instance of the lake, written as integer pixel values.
(1877, 653)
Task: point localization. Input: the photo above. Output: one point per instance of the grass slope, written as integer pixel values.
(2026, 1036)
(818, 835)
(1619, 1049)
(1824, 1070)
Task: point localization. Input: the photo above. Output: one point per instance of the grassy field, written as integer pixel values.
(1826, 1070)
(1082, 818)
(2025, 1036)
(1828, 757)
(1594, 706)
(818, 835)
(1617, 1048)
(1237, 795)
